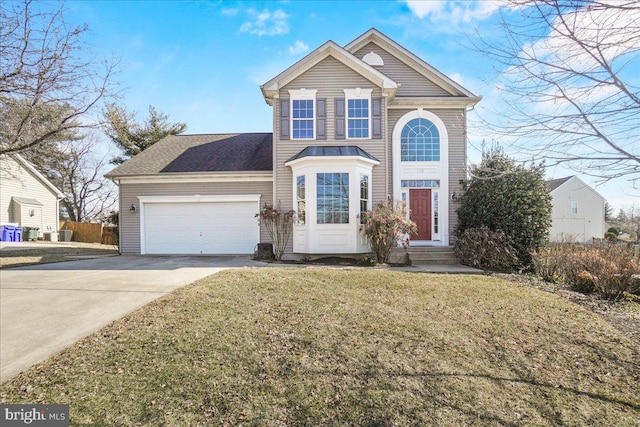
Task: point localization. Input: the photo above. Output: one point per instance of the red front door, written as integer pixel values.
(420, 206)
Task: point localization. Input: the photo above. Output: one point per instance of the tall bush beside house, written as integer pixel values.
(279, 225)
(502, 195)
(385, 226)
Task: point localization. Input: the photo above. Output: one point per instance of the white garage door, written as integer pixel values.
(225, 227)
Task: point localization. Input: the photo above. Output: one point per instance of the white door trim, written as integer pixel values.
(196, 198)
(424, 170)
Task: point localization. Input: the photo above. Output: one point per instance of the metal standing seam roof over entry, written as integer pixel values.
(332, 151)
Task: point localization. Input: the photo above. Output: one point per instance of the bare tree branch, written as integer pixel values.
(46, 72)
(569, 84)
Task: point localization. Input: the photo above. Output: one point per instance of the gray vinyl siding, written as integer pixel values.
(330, 77)
(455, 121)
(16, 181)
(412, 82)
(130, 221)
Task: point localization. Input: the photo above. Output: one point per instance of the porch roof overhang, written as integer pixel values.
(324, 151)
(26, 201)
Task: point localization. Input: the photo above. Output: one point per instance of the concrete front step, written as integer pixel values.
(426, 255)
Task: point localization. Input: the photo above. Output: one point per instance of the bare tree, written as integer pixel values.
(89, 195)
(77, 171)
(569, 88)
(48, 80)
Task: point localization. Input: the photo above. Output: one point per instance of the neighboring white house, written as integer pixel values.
(578, 211)
(27, 198)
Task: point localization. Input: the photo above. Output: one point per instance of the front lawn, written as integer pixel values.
(319, 346)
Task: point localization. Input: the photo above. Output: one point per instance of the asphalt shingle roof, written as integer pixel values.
(240, 152)
(552, 184)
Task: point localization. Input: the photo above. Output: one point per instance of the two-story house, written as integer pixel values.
(352, 126)
(578, 211)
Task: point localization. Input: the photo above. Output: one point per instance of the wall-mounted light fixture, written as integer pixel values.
(32, 212)
(454, 197)
(132, 208)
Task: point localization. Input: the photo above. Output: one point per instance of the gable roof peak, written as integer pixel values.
(385, 42)
(329, 48)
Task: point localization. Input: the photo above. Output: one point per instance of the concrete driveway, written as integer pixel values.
(46, 308)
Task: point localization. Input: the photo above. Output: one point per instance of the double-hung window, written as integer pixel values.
(301, 199)
(358, 115)
(364, 195)
(574, 207)
(303, 113)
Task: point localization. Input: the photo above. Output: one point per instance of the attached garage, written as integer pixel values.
(199, 224)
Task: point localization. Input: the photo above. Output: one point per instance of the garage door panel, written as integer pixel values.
(201, 228)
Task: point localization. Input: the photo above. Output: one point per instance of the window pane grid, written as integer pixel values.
(302, 119)
(364, 195)
(420, 183)
(420, 142)
(358, 118)
(300, 193)
(332, 198)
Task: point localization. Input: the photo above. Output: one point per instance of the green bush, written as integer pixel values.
(484, 248)
(612, 237)
(504, 196)
(614, 231)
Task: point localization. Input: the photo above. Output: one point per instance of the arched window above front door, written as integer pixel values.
(420, 141)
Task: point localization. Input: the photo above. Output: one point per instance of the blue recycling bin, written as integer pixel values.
(6, 232)
(17, 234)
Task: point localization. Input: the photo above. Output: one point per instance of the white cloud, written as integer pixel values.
(453, 11)
(614, 32)
(298, 47)
(457, 77)
(230, 11)
(266, 23)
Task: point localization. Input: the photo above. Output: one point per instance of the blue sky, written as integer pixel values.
(202, 62)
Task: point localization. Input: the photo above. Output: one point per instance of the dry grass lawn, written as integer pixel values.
(319, 346)
(48, 254)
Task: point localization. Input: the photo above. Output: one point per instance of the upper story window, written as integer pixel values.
(574, 208)
(303, 114)
(358, 113)
(420, 141)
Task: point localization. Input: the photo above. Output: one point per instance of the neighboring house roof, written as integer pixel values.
(270, 89)
(240, 152)
(552, 184)
(30, 168)
(331, 151)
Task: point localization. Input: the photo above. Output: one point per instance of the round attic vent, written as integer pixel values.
(373, 59)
